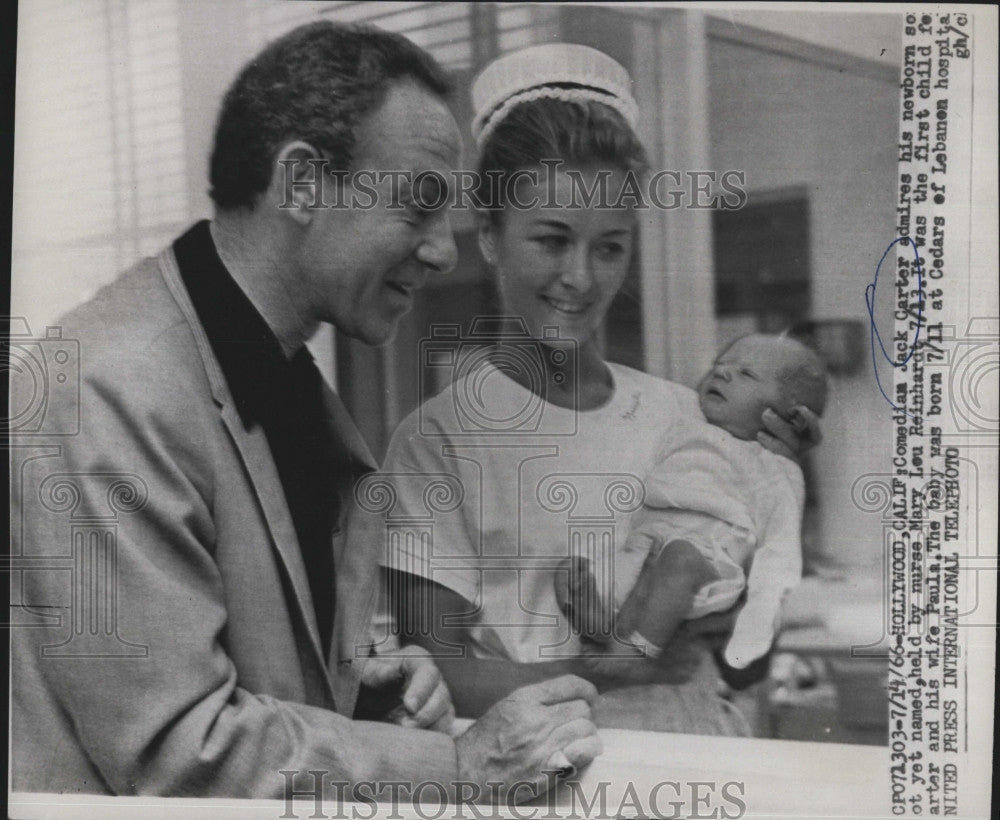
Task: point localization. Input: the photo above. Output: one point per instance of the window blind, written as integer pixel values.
(99, 147)
(446, 30)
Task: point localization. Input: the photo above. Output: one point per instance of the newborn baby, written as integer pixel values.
(721, 514)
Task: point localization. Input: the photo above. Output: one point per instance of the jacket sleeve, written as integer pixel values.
(173, 719)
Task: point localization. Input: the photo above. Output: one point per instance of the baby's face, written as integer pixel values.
(744, 381)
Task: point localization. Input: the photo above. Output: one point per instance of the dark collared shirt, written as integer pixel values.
(284, 397)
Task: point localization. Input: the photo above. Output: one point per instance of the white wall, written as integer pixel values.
(879, 38)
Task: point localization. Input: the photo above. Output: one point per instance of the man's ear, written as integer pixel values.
(488, 233)
(297, 181)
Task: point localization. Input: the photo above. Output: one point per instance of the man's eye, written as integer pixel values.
(412, 212)
(431, 194)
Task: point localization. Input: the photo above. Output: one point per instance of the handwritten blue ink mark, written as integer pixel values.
(874, 335)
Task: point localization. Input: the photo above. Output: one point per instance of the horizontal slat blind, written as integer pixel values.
(99, 148)
(444, 29)
(525, 24)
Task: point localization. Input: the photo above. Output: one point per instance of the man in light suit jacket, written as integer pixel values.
(191, 621)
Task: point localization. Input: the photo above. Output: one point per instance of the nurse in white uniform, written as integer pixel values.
(538, 447)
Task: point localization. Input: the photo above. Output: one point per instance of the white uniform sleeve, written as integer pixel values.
(418, 509)
(777, 567)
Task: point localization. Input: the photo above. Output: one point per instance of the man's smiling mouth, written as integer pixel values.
(399, 287)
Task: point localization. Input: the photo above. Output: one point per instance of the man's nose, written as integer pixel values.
(438, 251)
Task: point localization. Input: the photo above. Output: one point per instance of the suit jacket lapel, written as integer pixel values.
(256, 455)
(356, 567)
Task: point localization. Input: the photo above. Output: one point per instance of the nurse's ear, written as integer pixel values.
(487, 224)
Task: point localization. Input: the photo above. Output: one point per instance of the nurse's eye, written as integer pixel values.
(610, 251)
(553, 242)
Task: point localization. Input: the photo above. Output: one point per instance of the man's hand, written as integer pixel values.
(535, 729)
(790, 438)
(426, 700)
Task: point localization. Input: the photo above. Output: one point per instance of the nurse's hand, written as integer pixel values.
(793, 437)
(426, 700)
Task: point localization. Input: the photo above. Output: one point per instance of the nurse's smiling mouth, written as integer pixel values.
(571, 308)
